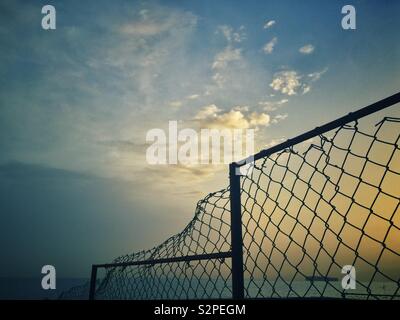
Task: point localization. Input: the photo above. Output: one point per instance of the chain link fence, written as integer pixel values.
(306, 208)
(307, 214)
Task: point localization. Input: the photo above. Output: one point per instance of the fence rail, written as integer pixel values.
(287, 226)
(95, 267)
(352, 116)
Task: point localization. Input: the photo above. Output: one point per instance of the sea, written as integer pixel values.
(30, 289)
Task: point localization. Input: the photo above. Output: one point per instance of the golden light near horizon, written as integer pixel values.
(333, 203)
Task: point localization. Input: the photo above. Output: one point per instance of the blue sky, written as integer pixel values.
(76, 103)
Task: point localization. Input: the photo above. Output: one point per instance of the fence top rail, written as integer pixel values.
(352, 116)
(218, 255)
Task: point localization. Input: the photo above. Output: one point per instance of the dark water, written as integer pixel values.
(30, 288)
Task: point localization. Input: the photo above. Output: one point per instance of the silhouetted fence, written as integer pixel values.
(287, 226)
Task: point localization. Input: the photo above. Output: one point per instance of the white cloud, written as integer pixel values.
(306, 89)
(287, 82)
(229, 55)
(272, 105)
(221, 62)
(231, 35)
(212, 117)
(193, 97)
(231, 119)
(242, 108)
(209, 111)
(307, 49)
(269, 24)
(279, 118)
(219, 79)
(317, 75)
(269, 47)
(291, 83)
(226, 56)
(259, 119)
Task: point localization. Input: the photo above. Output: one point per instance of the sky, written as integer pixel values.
(76, 104)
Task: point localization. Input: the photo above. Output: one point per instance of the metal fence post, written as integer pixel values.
(93, 278)
(236, 233)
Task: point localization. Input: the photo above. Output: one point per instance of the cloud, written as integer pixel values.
(207, 112)
(290, 82)
(144, 28)
(269, 24)
(176, 104)
(307, 49)
(242, 108)
(313, 77)
(272, 105)
(221, 62)
(231, 35)
(230, 119)
(279, 118)
(173, 175)
(317, 75)
(269, 47)
(306, 89)
(229, 55)
(287, 82)
(213, 117)
(193, 97)
(226, 56)
(155, 23)
(219, 79)
(259, 119)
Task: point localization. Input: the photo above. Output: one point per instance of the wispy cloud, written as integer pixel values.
(193, 96)
(307, 49)
(223, 58)
(278, 118)
(231, 35)
(272, 105)
(314, 76)
(269, 46)
(269, 24)
(152, 23)
(229, 55)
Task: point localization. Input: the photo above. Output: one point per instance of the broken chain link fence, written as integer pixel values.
(307, 209)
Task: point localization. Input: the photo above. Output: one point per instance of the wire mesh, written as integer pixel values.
(307, 214)
(207, 233)
(307, 211)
